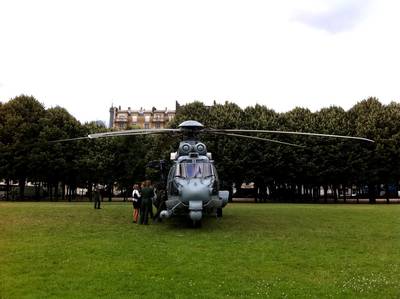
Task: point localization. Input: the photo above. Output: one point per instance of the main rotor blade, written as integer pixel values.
(256, 138)
(120, 133)
(290, 133)
(132, 132)
(68, 139)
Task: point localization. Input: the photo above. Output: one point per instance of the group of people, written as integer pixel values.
(143, 199)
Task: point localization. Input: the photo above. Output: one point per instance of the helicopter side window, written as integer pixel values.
(177, 170)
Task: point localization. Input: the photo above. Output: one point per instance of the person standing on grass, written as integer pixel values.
(147, 204)
(136, 200)
(161, 197)
(97, 197)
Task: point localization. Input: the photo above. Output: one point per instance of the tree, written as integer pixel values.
(60, 158)
(368, 120)
(20, 131)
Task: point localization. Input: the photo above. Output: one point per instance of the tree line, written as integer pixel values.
(322, 170)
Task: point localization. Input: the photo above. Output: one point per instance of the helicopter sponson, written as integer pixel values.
(192, 183)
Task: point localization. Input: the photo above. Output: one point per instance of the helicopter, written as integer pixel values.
(192, 184)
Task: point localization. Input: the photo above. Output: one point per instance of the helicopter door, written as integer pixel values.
(172, 190)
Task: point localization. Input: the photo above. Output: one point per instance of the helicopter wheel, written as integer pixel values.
(219, 212)
(196, 223)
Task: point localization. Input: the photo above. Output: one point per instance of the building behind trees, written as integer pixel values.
(142, 118)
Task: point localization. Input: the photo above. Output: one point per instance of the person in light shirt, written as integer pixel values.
(136, 201)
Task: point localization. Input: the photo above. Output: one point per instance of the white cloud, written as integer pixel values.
(338, 16)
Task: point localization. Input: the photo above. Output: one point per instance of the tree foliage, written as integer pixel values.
(279, 172)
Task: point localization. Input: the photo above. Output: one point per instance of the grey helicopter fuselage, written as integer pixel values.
(192, 183)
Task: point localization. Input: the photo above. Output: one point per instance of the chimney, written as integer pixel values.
(112, 116)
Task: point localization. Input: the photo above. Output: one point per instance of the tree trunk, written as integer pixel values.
(272, 189)
(50, 190)
(56, 191)
(110, 187)
(7, 189)
(21, 184)
(344, 193)
(256, 192)
(316, 194)
(37, 191)
(238, 186)
(325, 193)
(90, 186)
(264, 192)
(387, 193)
(371, 193)
(299, 192)
(68, 193)
(335, 194)
(358, 192)
(230, 189)
(319, 193)
(62, 191)
(309, 194)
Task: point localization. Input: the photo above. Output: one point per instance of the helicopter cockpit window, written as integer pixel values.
(194, 170)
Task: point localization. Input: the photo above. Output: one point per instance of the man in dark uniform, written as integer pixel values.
(160, 202)
(97, 197)
(147, 203)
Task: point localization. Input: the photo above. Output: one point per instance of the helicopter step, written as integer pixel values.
(165, 214)
(195, 210)
(169, 212)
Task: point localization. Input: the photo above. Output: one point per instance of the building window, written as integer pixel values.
(158, 125)
(147, 118)
(158, 117)
(121, 116)
(147, 126)
(134, 118)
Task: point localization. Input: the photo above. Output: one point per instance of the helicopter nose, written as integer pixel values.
(195, 191)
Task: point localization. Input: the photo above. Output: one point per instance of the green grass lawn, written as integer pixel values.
(257, 250)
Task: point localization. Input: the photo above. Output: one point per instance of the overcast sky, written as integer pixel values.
(86, 55)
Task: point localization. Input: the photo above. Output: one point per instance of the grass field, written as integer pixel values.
(70, 250)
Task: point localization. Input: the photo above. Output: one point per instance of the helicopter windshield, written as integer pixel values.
(194, 170)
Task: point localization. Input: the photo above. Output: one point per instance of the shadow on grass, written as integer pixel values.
(184, 223)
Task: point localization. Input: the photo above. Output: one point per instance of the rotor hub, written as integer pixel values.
(191, 125)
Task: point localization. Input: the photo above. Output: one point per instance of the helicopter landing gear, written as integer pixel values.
(196, 216)
(196, 223)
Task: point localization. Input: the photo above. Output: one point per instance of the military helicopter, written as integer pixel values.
(192, 182)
